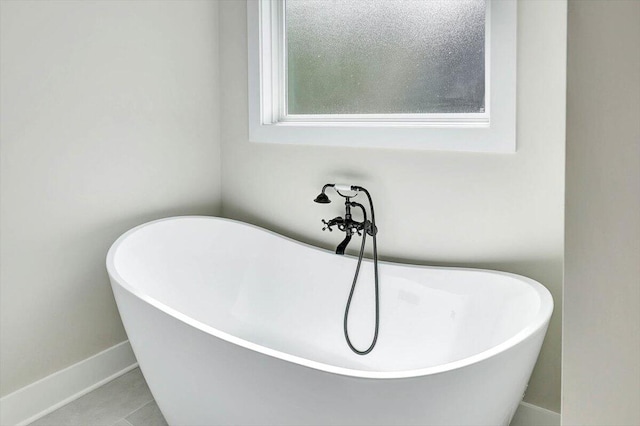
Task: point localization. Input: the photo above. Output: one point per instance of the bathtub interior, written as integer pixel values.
(289, 297)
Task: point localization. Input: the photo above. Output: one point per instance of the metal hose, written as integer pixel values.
(355, 280)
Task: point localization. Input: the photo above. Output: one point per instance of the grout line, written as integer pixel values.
(138, 409)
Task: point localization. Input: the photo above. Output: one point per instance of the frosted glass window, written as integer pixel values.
(385, 57)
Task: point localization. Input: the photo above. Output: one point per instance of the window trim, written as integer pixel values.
(492, 131)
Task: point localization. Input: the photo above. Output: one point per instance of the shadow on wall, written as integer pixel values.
(530, 267)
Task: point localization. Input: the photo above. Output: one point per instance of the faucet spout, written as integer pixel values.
(343, 245)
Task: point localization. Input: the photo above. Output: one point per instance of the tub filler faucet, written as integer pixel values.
(346, 224)
(351, 227)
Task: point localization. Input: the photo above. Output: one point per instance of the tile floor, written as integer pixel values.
(125, 401)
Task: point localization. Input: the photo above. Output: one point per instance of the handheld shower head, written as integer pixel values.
(322, 198)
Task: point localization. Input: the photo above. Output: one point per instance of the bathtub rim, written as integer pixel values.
(540, 321)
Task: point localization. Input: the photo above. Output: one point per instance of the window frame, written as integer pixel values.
(491, 131)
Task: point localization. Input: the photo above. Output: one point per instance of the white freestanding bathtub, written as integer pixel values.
(236, 325)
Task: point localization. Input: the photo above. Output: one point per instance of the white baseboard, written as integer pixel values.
(52, 392)
(532, 415)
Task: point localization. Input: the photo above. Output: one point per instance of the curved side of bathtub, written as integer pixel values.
(200, 378)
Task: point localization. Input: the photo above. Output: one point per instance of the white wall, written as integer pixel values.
(485, 210)
(109, 118)
(601, 347)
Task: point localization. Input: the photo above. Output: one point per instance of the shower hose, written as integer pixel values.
(373, 231)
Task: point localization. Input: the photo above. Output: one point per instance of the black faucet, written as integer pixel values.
(348, 225)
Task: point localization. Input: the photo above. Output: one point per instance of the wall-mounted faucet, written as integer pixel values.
(346, 224)
(351, 227)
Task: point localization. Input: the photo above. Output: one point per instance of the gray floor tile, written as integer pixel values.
(149, 415)
(122, 422)
(105, 405)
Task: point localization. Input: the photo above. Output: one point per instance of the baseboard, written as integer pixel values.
(532, 415)
(52, 392)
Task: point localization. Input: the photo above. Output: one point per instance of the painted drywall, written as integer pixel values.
(601, 326)
(109, 118)
(502, 211)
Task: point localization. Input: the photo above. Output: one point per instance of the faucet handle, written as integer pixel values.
(328, 226)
